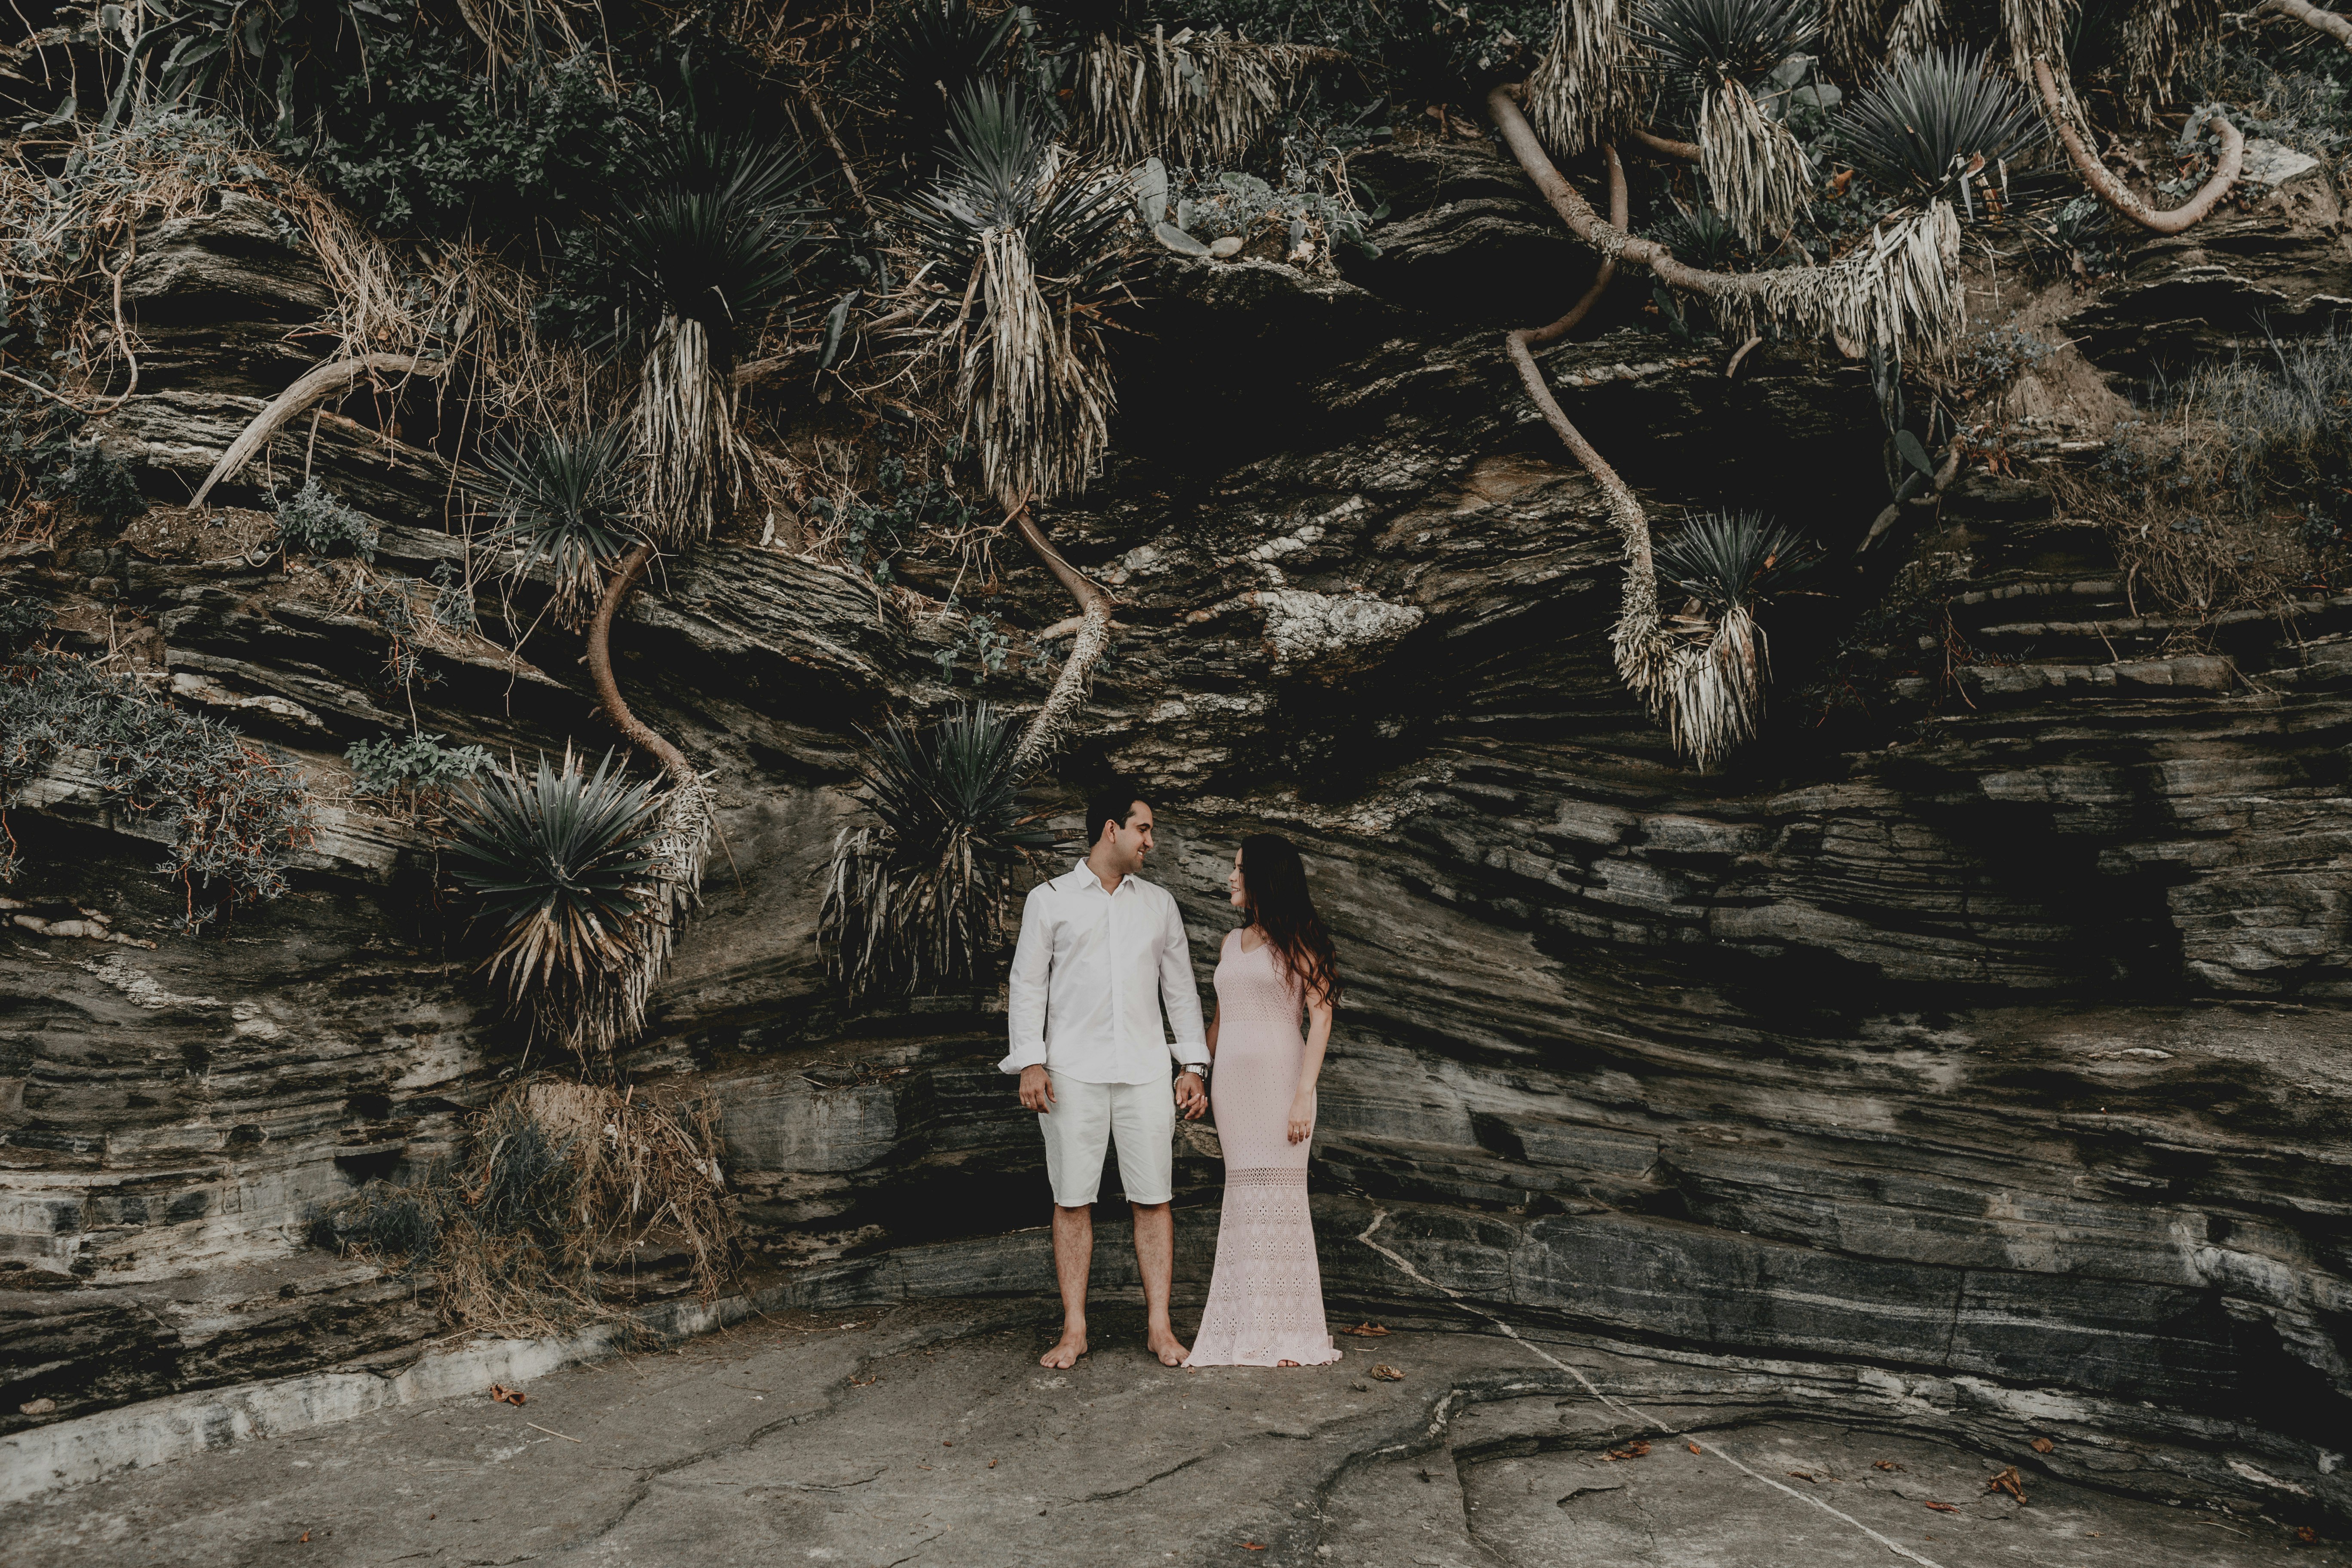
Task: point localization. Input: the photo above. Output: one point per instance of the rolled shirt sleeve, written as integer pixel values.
(1179, 993)
(1025, 1009)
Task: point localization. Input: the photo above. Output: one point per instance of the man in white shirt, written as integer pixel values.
(1101, 952)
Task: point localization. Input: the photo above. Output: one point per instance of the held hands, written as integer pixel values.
(1302, 1118)
(1036, 1089)
(1190, 1097)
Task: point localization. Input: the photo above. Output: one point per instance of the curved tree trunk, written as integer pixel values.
(1051, 723)
(599, 668)
(1664, 147)
(2310, 16)
(2113, 191)
(331, 377)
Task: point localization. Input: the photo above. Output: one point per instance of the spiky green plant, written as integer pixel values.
(1714, 51)
(921, 56)
(563, 499)
(1934, 120)
(920, 896)
(705, 255)
(562, 863)
(1727, 560)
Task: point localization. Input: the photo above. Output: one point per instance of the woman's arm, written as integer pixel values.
(1214, 1019)
(1310, 1066)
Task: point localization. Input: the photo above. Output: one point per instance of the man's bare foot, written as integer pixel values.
(1166, 1347)
(1066, 1350)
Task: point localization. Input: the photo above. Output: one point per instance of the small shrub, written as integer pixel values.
(1933, 122)
(1729, 560)
(565, 500)
(416, 767)
(238, 808)
(867, 534)
(312, 519)
(101, 485)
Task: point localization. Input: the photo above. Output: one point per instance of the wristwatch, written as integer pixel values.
(1199, 1070)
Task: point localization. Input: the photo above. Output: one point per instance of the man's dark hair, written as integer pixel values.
(1115, 802)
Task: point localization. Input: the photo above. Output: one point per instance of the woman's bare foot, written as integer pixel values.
(1286, 1364)
(1066, 1350)
(1166, 1346)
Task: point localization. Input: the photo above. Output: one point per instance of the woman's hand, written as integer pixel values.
(1302, 1118)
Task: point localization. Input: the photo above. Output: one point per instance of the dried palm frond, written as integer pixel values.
(1586, 87)
(563, 499)
(705, 256)
(1932, 121)
(2158, 37)
(1198, 97)
(1854, 36)
(1031, 370)
(921, 897)
(1919, 25)
(1896, 290)
(1756, 173)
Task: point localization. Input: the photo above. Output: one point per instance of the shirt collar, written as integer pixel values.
(1082, 877)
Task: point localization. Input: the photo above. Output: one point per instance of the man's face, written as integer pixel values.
(1130, 843)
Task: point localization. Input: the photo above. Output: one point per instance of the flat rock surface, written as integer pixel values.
(929, 1433)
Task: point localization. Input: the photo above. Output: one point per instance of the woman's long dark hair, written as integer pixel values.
(1274, 880)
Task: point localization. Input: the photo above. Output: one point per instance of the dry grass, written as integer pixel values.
(1586, 87)
(552, 1193)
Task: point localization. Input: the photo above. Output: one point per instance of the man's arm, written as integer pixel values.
(1178, 993)
(1025, 1008)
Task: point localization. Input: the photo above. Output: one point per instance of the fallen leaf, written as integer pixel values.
(1884, 1464)
(947, 1442)
(1387, 1373)
(1805, 1476)
(2043, 1444)
(992, 1464)
(505, 1395)
(306, 1535)
(2307, 1535)
(2009, 1481)
(1692, 1447)
(1366, 1330)
(1943, 1508)
(1633, 1450)
(1252, 1546)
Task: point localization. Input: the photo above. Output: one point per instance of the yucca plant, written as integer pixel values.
(562, 862)
(1714, 51)
(1937, 120)
(1586, 86)
(563, 499)
(1145, 84)
(920, 897)
(1714, 669)
(920, 58)
(704, 255)
(1040, 231)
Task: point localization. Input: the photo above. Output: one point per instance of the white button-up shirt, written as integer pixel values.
(1090, 975)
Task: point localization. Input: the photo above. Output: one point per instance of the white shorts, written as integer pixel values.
(1086, 1118)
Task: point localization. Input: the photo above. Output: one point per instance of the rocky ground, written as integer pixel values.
(930, 1435)
(1988, 1042)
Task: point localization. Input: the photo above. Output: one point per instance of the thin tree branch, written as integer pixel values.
(1046, 726)
(1665, 147)
(599, 668)
(2113, 191)
(331, 377)
(2328, 22)
(808, 96)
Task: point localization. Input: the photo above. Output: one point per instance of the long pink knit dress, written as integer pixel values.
(1266, 1298)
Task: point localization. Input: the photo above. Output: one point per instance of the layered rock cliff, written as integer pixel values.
(1985, 1036)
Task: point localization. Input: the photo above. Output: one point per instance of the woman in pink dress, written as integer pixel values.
(1265, 1300)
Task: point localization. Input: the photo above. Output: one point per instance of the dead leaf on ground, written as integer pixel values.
(505, 1395)
(992, 1464)
(1884, 1464)
(1633, 1450)
(1252, 1546)
(2009, 1481)
(1805, 1475)
(1366, 1330)
(2043, 1444)
(1692, 1447)
(1387, 1373)
(2307, 1535)
(305, 1536)
(1943, 1508)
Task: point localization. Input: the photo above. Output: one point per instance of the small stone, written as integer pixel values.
(36, 1407)
(1361, 1387)
(1229, 245)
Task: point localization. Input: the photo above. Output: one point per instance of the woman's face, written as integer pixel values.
(1240, 898)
